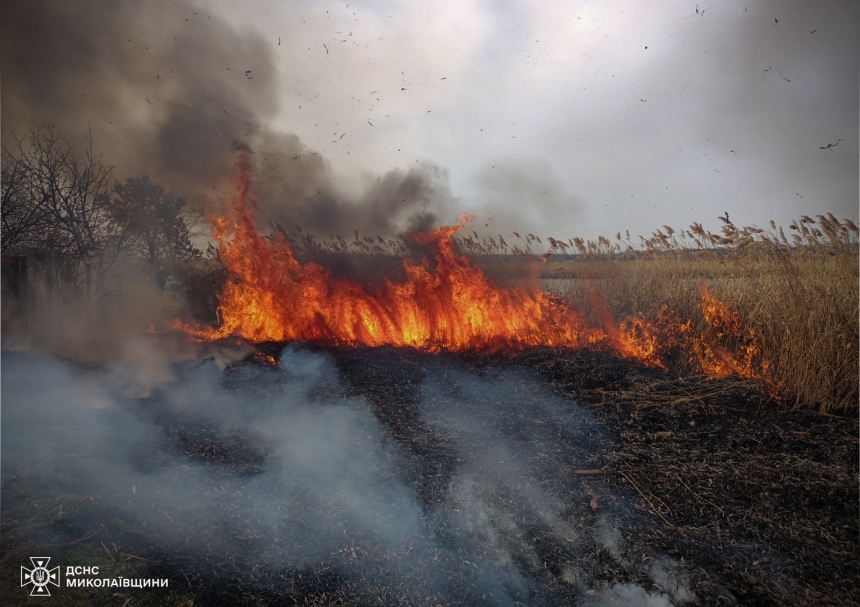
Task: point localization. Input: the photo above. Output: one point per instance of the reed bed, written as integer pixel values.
(797, 293)
(794, 291)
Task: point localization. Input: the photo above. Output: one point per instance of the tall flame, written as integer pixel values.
(712, 351)
(270, 296)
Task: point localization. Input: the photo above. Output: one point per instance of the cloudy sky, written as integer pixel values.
(560, 118)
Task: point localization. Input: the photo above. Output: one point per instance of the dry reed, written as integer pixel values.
(798, 293)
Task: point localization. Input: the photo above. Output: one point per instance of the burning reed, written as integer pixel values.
(747, 303)
(795, 296)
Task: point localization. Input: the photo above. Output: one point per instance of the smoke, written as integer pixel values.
(524, 191)
(629, 595)
(296, 188)
(163, 84)
(276, 469)
(509, 502)
(494, 501)
(318, 477)
(671, 589)
(665, 574)
(167, 88)
(608, 536)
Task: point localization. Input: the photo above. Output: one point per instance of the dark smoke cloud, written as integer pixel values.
(168, 88)
(296, 187)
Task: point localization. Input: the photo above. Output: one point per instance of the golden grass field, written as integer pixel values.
(798, 292)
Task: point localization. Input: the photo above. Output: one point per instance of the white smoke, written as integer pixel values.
(310, 476)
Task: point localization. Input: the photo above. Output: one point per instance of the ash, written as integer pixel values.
(385, 476)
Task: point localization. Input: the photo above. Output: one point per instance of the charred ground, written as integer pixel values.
(756, 505)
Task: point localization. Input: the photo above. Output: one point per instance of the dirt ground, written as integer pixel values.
(687, 490)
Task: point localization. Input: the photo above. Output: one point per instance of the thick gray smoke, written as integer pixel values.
(296, 189)
(315, 478)
(168, 88)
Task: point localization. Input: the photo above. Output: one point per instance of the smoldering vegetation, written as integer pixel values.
(280, 484)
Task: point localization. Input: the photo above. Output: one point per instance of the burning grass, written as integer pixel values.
(796, 300)
(747, 303)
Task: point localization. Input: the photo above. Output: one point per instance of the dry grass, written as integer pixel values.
(797, 293)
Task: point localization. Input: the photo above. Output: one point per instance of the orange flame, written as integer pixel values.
(270, 296)
(712, 350)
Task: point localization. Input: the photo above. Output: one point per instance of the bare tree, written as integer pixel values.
(137, 203)
(154, 221)
(21, 211)
(57, 202)
(177, 225)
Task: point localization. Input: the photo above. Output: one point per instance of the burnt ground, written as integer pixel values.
(664, 482)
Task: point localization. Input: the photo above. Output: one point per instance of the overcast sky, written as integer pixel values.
(573, 118)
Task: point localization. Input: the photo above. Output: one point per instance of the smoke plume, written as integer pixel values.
(167, 88)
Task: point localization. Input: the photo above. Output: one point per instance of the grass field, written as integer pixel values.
(796, 293)
(783, 303)
(577, 470)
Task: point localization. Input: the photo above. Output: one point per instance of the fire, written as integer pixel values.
(712, 351)
(270, 296)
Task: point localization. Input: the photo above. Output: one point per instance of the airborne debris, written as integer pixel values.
(830, 145)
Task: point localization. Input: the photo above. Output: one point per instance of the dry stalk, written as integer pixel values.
(699, 496)
(657, 512)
